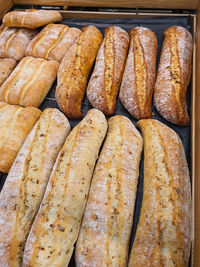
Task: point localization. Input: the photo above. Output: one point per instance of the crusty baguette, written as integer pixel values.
(106, 78)
(174, 75)
(53, 42)
(140, 72)
(26, 182)
(13, 41)
(56, 227)
(15, 124)
(7, 65)
(30, 82)
(163, 234)
(73, 72)
(31, 18)
(106, 227)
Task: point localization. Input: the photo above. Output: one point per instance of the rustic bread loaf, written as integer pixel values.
(174, 75)
(140, 72)
(31, 18)
(15, 124)
(74, 69)
(30, 82)
(106, 78)
(163, 235)
(56, 227)
(26, 183)
(106, 227)
(7, 65)
(53, 42)
(13, 41)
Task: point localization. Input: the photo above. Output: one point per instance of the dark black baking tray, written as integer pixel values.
(158, 24)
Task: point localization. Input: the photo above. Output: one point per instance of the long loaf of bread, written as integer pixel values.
(106, 228)
(26, 183)
(163, 233)
(57, 224)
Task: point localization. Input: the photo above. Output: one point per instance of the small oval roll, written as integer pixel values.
(174, 75)
(140, 72)
(163, 236)
(105, 80)
(56, 227)
(74, 69)
(106, 227)
(26, 183)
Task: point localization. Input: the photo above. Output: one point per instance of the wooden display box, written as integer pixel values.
(6, 5)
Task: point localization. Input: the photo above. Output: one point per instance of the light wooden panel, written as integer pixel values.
(5, 5)
(182, 4)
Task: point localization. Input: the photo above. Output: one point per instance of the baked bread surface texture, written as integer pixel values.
(140, 72)
(74, 69)
(56, 227)
(106, 78)
(163, 236)
(53, 42)
(30, 82)
(31, 18)
(7, 65)
(13, 41)
(26, 183)
(174, 75)
(106, 227)
(15, 124)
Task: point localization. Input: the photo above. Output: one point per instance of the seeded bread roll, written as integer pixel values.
(105, 80)
(7, 65)
(56, 227)
(106, 227)
(26, 183)
(74, 69)
(163, 236)
(174, 75)
(140, 72)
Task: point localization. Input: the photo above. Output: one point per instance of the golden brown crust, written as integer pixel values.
(140, 72)
(73, 72)
(163, 236)
(30, 82)
(31, 18)
(7, 65)
(174, 75)
(106, 227)
(105, 80)
(53, 42)
(13, 41)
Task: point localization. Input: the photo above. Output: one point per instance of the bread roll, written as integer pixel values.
(56, 227)
(140, 72)
(30, 82)
(26, 182)
(106, 227)
(53, 42)
(73, 72)
(15, 124)
(105, 80)
(7, 65)
(13, 42)
(163, 236)
(31, 18)
(174, 75)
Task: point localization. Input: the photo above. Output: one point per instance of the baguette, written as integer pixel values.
(106, 227)
(53, 42)
(26, 182)
(15, 124)
(105, 80)
(140, 72)
(174, 75)
(31, 18)
(56, 227)
(73, 72)
(7, 65)
(30, 82)
(163, 236)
